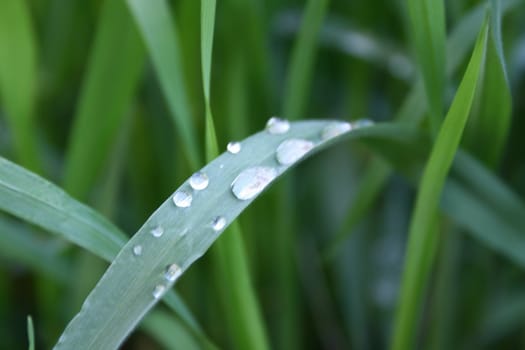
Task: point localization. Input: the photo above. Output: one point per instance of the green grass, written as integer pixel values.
(405, 234)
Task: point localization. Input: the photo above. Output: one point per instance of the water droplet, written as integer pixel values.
(362, 123)
(234, 147)
(290, 151)
(218, 223)
(221, 166)
(173, 272)
(158, 291)
(335, 129)
(137, 250)
(252, 181)
(277, 125)
(199, 181)
(157, 231)
(182, 199)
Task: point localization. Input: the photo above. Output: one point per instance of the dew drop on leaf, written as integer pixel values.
(199, 181)
(158, 291)
(362, 123)
(335, 129)
(137, 250)
(252, 181)
(218, 223)
(233, 147)
(291, 150)
(157, 231)
(277, 125)
(173, 272)
(182, 199)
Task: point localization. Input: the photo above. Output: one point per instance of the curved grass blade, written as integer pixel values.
(178, 234)
(104, 100)
(423, 233)
(18, 79)
(30, 333)
(160, 36)
(229, 254)
(427, 23)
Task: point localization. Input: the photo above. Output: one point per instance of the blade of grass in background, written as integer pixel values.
(110, 82)
(30, 333)
(423, 233)
(229, 256)
(160, 36)
(492, 109)
(18, 80)
(427, 28)
(300, 68)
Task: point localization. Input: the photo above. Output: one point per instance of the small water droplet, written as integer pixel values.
(362, 123)
(173, 272)
(137, 250)
(157, 231)
(221, 166)
(218, 223)
(335, 129)
(182, 199)
(250, 182)
(234, 147)
(290, 151)
(277, 125)
(158, 291)
(199, 181)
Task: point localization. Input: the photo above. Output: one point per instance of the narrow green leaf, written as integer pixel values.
(128, 288)
(427, 26)
(301, 64)
(490, 119)
(105, 99)
(423, 233)
(30, 333)
(160, 36)
(18, 79)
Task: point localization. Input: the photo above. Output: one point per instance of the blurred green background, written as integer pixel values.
(85, 105)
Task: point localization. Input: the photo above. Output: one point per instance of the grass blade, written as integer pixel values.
(126, 291)
(427, 23)
(18, 79)
(301, 63)
(30, 333)
(160, 36)
(423, 234)
(104, 100)
(492, 110)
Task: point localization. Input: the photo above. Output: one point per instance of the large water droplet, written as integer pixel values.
(137, 250)
(182, 199)
(277, 125)
(218, 223)
(362, 123)
(158, 291)
(233, 147)
(290, 151)
(199, 181)
(157, 231)
(173, 272)
(335, 129)
(252, 181)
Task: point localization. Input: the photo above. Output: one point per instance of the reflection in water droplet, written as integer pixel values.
(157, 231)
(362, 123)
(173, 272)
(335, 129)
(137, 250)
(199, 181)
(277, 126)
(218, 223)
(182, 199)
(158, 291)
(234, 147)
(252, 181)
(290, 151)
